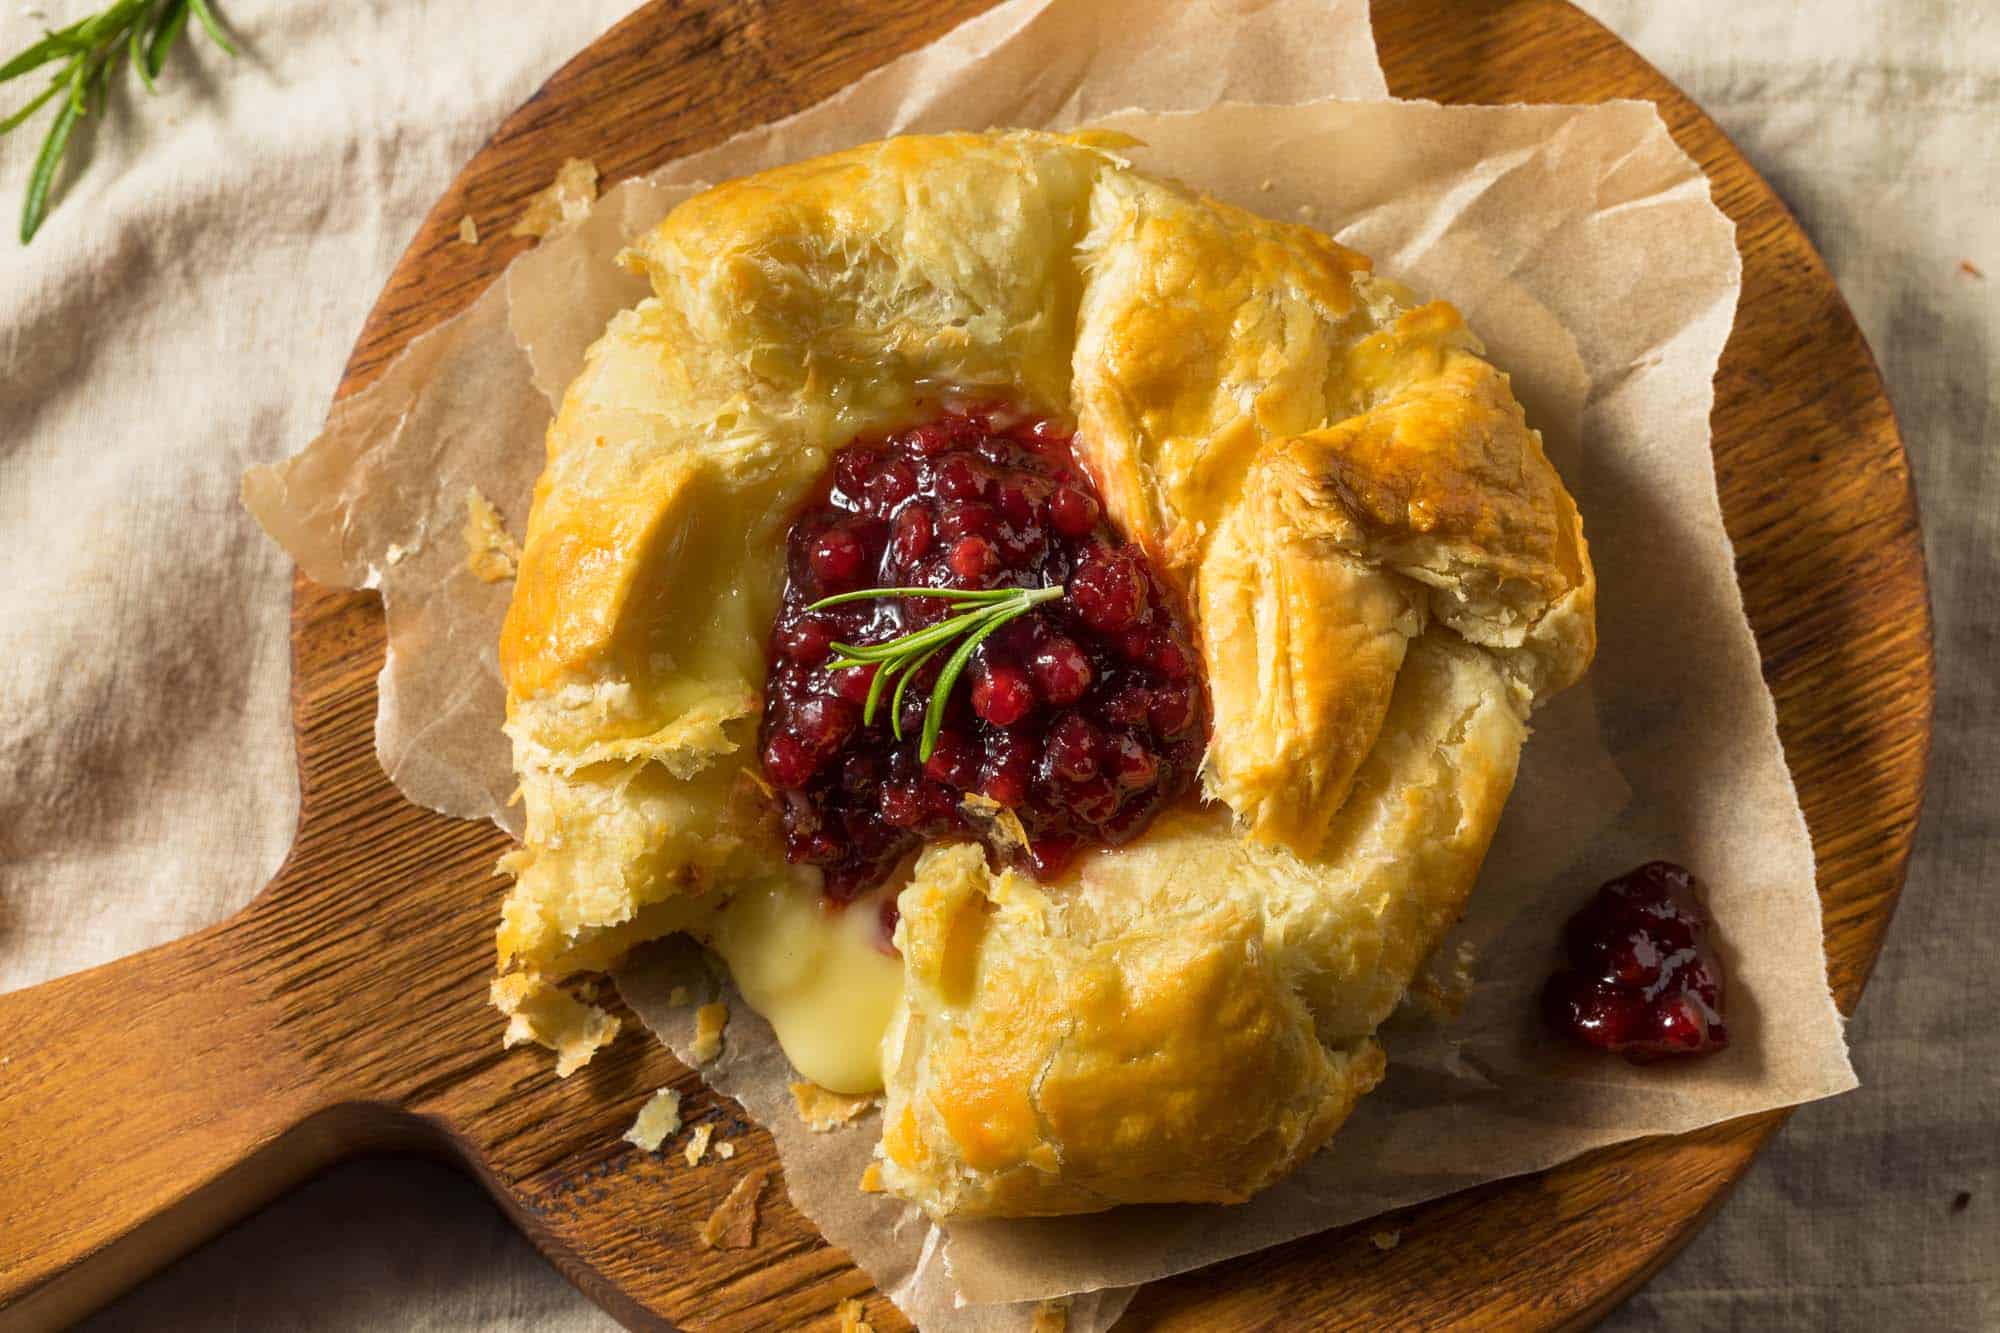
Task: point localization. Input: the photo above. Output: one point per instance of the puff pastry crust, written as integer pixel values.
(1384, 570)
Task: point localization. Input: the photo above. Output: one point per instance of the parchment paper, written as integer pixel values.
(1582, 245)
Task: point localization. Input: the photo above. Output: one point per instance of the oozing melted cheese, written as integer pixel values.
(816, 975)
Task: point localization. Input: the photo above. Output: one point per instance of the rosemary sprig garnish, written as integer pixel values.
(90, 50)
(901, 658)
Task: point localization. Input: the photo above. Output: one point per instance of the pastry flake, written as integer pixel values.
(563, 201)
(733, 1224)
(543, 1014)
(824, 1111)
(709, 1021)
(658, 1120)
(491, 553)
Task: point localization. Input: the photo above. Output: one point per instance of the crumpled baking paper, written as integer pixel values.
(1582, 245)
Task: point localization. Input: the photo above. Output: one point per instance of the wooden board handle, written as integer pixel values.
(145, 1105)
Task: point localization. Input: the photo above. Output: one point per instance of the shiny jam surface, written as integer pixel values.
(1084, 716)
(1641, 980)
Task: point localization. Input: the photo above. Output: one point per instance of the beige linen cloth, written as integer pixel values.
(186, 312)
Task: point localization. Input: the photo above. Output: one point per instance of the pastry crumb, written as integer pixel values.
(997, 820)
(1970, 269)
(468, 230)
(709, 1020)
(566, 199)
(540, 1013)
(490, 553)
(853, 1317)
(1051, 1316)
(1386, 1241)
(659, 1119)
(679, 996)
(1444, 986)
(697, 1145)
(725, 1150)
(824, 1111)
(871, 1178)
(733, 1225)
(395, 553)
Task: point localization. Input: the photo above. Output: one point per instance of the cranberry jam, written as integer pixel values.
(1641, 980)
(1085, 715)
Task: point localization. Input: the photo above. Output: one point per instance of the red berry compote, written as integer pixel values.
(1085, 716)
(1641, 980)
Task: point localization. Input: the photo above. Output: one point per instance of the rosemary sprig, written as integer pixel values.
(901, 658)
(89, 51)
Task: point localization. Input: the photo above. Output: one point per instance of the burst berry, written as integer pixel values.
(973, 558)
(1062, 672)
(1005, 776)
(911, 536)
(1073, 747)
(822, 724)
(788, 761)
(838, 558)
(1001, 695)
(1108, 591)
(1131, 765)
(805, 640)
(1071, 512)
(889, 487)
(953, 762)
(1172, 710)
(852, 683)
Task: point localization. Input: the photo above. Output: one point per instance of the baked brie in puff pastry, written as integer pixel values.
(1332, 493)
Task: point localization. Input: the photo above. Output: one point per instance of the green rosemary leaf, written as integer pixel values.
(916, 640)
(167, 27)
(80, 77)
(875, 688)
(902, 683)
(954, 667)
(136, 53)
(943, 594)
(140, 33)
(54, 46)
(70, 41)
(110, 22)
(208, 21)
(904, 656)
(56, 85)
(97, 95)
(35, 206)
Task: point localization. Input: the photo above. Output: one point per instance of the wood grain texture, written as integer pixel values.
(146, 1104)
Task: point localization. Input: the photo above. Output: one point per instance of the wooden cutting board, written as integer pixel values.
(147, 1104)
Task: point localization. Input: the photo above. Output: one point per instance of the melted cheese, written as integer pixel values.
(816, 976)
